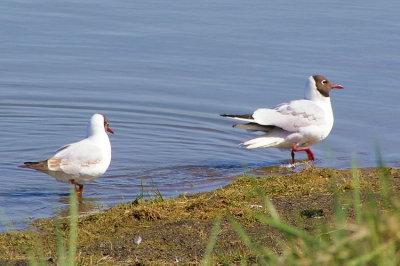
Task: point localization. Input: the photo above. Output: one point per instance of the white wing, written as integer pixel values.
(291, 116)
(74, 157)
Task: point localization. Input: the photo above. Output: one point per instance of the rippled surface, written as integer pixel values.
(162, 72)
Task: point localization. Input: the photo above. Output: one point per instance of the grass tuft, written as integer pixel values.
(317, 216)
(365, 232)
(65, 257)
(207, 258)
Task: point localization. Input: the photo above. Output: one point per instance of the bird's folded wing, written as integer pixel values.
(75, 157)
(290, 116)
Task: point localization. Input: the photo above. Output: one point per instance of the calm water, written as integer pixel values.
(163, 71)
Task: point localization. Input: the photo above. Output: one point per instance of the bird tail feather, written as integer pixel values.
(34, 165)
(240, 117)
(262, 142)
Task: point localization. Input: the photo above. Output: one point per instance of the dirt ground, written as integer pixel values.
(176, 231)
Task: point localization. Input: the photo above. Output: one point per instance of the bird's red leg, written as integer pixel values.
(78, 187)
(293, 155)
(308, 150)
(79, 190)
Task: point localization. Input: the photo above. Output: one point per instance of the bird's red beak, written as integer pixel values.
(337, 86)
(110, 130)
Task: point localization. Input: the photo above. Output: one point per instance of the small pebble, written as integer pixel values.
(138, 240)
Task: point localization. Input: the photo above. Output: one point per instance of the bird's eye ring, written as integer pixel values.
(324, 81)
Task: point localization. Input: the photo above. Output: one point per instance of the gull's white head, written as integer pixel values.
(318, 88)
(98, 124)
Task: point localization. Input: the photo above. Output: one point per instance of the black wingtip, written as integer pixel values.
(238, 116)
(28, 164)
(31, 163)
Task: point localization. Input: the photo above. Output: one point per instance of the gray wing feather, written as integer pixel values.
(290, 116)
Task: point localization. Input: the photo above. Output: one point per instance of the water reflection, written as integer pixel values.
(85, 205)
(163, 75)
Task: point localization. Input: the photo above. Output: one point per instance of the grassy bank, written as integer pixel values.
(311, 216)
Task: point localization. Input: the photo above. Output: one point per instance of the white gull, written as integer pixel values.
(81, 161)
(298, 123)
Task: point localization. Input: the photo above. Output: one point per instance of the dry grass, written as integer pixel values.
(178, 229)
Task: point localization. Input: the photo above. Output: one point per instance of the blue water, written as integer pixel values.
(163, 71)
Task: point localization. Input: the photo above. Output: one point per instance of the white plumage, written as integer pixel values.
(298, 123)
(81, 161)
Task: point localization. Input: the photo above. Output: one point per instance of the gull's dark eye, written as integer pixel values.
(324, 81)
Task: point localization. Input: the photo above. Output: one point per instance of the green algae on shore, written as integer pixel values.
(176, 230)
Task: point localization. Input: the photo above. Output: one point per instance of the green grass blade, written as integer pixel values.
(261, 254)
(61, 254)
(340, 212)
(271, 209)
(241, 232)
(386, 184)
(73, 228)
(207, 258)
(364, 259)
(356, 191)
(32, 261)
(287, 229)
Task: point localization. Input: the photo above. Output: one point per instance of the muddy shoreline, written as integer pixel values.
(176, 231)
